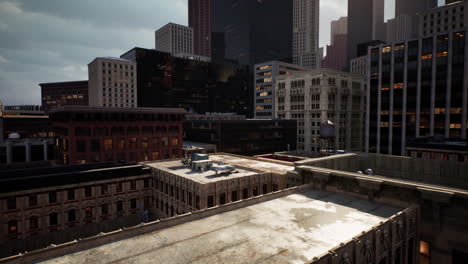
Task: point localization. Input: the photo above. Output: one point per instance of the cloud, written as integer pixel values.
(54, 41)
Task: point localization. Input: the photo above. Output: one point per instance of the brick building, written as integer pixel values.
(89, 134)
(64, 93)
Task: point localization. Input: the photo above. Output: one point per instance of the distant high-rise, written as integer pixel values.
(400, 28)
(112, 82)
(252, 31)
(337, 51)
(338, 27)
(306, 33)
(200, 20)
(174, 38)
(412, 7)
(365, 23)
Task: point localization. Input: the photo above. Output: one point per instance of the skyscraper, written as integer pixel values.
(417, 89)
(306, 33)
(175, 39)
(200, 20)
(365, 23)
(254, 31)
(338, 27)
(411, 8)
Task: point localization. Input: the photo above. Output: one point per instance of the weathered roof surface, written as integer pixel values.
(253, 164)
(244, 167)
(177, 168)
(291, 229)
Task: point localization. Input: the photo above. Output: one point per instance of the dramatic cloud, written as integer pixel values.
(54, 40)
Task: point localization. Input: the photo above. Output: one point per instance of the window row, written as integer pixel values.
(72, 215)
(71, 194)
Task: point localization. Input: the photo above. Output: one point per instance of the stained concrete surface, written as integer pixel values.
(291, 229)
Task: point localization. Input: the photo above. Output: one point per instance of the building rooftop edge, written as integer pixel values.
(87, 109)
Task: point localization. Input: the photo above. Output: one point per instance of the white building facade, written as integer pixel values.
(316, 96)
(359, 66)
(112, 82)
(175, 39)
(306, 33)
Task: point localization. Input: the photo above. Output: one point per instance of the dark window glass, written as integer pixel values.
(71, 194)
(52, 197)
(32, 200)
(133, 203)
(88, 191)
(71, 215)
(222, 198)
(11, 203)
(245, 193)
(234, 196)
(104, 209)
(33, 222)
(119, 206)
(210, 201)
(53, 219)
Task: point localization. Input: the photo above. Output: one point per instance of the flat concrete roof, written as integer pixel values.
(176, 167)
(253, 163)
(244, 167)
(291, 229)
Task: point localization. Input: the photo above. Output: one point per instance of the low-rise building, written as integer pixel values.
(313, 97)
(244, 137)
(39, 207)
(64, 93)
(95, 134)
(180, 189)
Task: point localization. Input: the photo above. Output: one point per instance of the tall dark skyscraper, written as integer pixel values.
(200, 20)
(254, 31)
(405, 7)
(171, 82)
(365, 23)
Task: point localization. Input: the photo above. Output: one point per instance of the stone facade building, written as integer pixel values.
(175, 39)
(314, 97)
(50, 206)
(64, 93)
(179, 189)
(112, 82)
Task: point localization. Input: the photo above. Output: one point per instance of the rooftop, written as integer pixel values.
(139, 110)
(291, 229)
(244, 167)
(176, 167)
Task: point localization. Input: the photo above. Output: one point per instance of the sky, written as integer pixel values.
(53, 40)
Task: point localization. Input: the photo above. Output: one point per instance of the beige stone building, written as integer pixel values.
(180, 189)
(112, 82)
(320, 95)
(358, 66)
(175, 39)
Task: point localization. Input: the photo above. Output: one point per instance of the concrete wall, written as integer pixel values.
(443, 172)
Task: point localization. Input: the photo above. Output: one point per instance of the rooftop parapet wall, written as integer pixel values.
(125, 233)
(441, 172)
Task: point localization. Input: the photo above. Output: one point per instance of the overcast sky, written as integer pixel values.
(54, 40)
